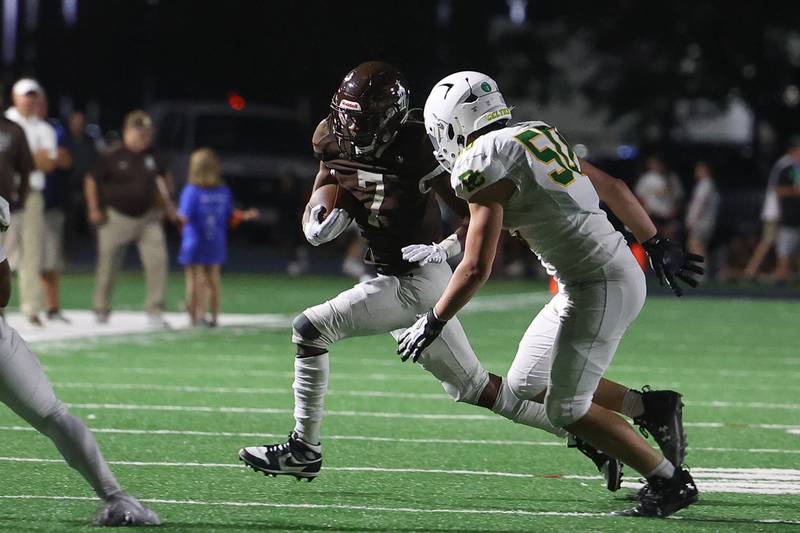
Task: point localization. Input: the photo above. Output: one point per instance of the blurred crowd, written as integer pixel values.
(56, 175)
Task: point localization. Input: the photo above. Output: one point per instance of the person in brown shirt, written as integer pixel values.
(127, 193)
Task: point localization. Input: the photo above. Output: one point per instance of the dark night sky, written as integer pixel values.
(122, 52)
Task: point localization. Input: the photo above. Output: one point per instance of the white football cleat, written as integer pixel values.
(126, 511)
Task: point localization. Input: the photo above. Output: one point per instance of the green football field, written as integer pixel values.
(171, 409)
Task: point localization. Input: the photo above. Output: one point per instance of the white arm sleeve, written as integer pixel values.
(485, 163)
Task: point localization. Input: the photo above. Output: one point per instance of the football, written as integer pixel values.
(333, 195)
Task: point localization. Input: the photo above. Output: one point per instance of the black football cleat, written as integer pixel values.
(662, 497)
(607, 465)
(294, 457)
(663, 419)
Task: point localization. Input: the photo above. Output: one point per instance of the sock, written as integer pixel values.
(79, 448)
(632, 404)
(526, 412)
(664, 469)
(310, 385)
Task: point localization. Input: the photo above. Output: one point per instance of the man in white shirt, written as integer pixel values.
(660, 192)
(28, 238)
(701, 214)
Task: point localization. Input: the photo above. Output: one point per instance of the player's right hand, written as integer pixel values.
(5, 214)
(669, 261)
(318, 232)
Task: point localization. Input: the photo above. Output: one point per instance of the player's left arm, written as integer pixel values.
(616, 194)
(667, 258)
(486, 222)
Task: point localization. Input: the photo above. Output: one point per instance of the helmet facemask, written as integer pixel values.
(362, 133)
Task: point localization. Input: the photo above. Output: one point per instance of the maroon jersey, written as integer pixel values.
(395, 206)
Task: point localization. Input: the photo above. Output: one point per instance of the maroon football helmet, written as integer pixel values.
(368, 109)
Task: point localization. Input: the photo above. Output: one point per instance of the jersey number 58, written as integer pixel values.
(554, 149)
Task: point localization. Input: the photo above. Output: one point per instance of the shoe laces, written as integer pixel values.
(279, 448)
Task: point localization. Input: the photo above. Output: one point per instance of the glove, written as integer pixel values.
(432, 253)
(335, 223)
(669, 261)
(5, 214)
(419, 336)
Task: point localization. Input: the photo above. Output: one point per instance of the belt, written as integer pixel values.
(400, 268)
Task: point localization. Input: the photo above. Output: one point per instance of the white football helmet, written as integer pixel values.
(458, 105)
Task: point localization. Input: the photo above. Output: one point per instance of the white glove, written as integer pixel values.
(5, 214)
(335, 223)
(432, 253)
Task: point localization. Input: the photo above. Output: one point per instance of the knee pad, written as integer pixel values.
(305, 333)
(524, 387)
(464, 392)
(563, 412)
(524, 412)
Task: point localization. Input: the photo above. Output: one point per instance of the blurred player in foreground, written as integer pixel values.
(525, 178)
(26, 390)
(373, 152)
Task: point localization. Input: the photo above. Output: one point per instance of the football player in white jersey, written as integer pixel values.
(385, 167)
(27, 391)
(525, 178)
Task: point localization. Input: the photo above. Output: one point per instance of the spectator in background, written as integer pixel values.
(42, 142)
(127, 194)
(701, 214)
(661, 193)
(205, 211)
(771, 212)
(288, 235)
(15, 165)
(56, 198)
(787, 244)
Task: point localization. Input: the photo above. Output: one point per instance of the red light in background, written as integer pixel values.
(236, 101)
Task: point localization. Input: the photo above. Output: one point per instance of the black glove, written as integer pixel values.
(669, 261)
(419, 336)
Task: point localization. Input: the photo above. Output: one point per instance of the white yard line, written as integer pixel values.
(746, 480)
(364, 508)
(246, 390)
(269, 410)
(125, 323)
(362, 438)
(362, 393)
(373, 509)
(372, 414)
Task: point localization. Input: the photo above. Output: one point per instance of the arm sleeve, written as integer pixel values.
(229, 204)
(785, 177)
(486, 162)
(50, 141)
(318, 140)
(186, 202)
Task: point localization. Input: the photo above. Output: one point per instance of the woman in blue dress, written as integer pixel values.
(205, 211)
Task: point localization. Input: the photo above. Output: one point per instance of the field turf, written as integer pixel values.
(171, 409)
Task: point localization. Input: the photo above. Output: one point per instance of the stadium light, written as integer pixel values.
(10, 17)
(69, 10)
